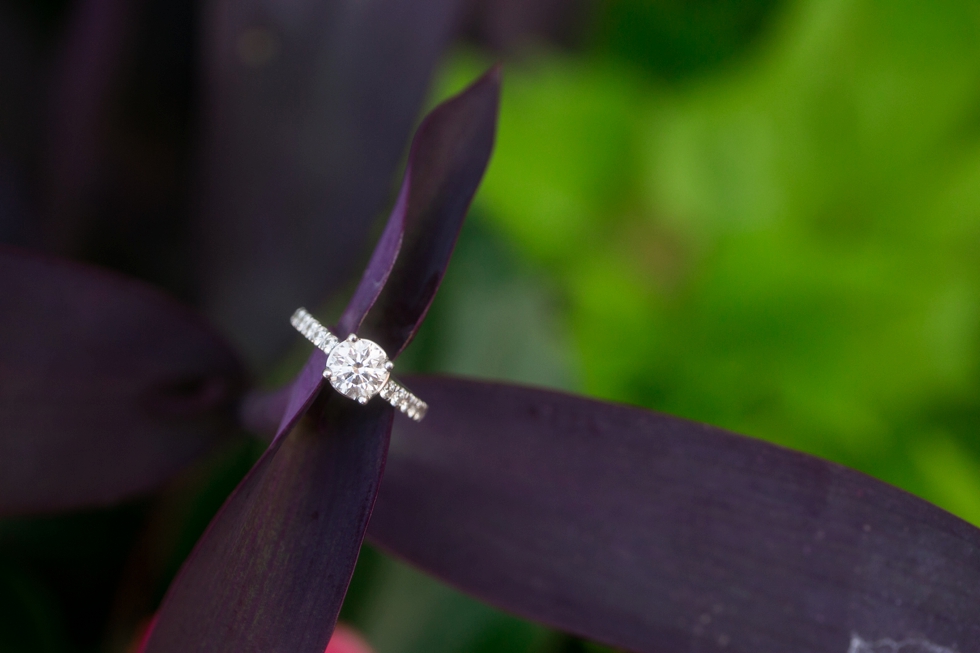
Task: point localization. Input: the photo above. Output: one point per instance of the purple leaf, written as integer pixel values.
(271, 571)
(655, 534)
(449, 155)
(310, 107)
(107, 387)
(302, 391)
(382, 259)
(261, 411)
(274, 413)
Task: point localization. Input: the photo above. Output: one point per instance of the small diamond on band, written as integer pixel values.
(358, 368)
(313, 330)
(403, 400)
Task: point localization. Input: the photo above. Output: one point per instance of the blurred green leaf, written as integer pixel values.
(787, 247)
(493, 319)
(675, 39)
(953, 474)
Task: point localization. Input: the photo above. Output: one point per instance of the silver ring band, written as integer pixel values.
(358, 368)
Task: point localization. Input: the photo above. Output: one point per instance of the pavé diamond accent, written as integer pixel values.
(360, 369)
(404, 400)
(357, 369)
(313, 330)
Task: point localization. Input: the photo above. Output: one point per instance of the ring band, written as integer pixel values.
(358, 368)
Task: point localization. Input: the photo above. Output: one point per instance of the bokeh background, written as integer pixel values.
(761, 214)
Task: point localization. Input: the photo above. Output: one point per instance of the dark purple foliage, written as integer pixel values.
(445, 164)
(272, 569)
(107, 387)
(447, 160)
(632, 528)
(657, 534)
(309, 106)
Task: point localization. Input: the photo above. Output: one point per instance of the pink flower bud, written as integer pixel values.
(346, 640)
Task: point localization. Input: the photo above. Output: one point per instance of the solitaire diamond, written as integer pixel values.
(357, 368)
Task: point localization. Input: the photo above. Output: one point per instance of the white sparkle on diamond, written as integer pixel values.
(357, 369)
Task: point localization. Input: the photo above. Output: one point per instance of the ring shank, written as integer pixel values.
(315, 332)
(392, 392)
(399, 397)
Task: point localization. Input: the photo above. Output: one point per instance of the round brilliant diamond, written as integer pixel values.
(357, 369)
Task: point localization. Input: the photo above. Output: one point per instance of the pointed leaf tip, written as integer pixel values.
(446, 162)
(301, 144)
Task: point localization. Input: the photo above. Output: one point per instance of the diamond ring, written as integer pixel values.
(358, 368)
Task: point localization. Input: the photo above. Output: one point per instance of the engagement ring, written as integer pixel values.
(358, 368)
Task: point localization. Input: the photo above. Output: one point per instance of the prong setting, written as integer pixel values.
(358, 368)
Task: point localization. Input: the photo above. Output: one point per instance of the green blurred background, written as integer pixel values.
(762, 215)
(768, 220)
